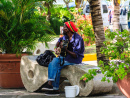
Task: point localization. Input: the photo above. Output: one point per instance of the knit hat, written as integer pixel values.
(71, 26)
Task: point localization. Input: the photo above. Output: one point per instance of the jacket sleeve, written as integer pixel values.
(79, 49)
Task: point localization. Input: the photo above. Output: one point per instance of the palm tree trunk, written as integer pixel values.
(67, 4)
(48, 13)
(78, 2)
(98, 28)
(116, 25)
(49, 5)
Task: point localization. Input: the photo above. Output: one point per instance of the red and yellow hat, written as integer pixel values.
(71, 26)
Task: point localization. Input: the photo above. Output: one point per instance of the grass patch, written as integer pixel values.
(90, 49)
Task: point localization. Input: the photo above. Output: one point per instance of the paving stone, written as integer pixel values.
(22, 93)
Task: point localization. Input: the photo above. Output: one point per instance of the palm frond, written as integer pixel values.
(20, 27)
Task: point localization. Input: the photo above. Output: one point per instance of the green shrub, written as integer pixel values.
(59, 15)
(20, 27)
(117, 50)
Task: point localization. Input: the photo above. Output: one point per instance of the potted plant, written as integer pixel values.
(117, 50)
(21, 27)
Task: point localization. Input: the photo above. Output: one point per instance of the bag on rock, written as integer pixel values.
(45, 58)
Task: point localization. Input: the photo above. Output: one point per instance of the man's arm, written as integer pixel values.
(57, 44)
(71, 53)
(78, 50)
(57, 49)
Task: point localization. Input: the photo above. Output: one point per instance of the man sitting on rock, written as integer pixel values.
(72, 52)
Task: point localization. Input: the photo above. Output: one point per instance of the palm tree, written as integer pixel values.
(67, 3)
(116, 16)
(98, 28)
(49, 5)
(78, 2)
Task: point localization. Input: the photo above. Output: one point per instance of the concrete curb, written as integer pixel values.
(90, 57)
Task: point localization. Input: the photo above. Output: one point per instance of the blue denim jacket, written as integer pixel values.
(76, 45)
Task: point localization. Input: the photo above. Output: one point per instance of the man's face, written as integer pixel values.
(65, 30)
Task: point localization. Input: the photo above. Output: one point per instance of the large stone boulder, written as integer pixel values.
(34, 76)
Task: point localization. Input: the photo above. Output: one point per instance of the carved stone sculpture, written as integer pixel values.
(34, 76)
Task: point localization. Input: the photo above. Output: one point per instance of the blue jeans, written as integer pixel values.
(54, 71)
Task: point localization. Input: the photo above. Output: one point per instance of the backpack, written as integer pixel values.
(45, 58)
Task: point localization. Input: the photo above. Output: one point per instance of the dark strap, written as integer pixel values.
(60, 61)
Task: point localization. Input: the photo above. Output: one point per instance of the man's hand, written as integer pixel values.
(63, 47)
(57, 51)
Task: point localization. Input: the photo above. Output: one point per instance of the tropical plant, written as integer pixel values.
(85, 28)
(20, 26)
(59, 15)
(118, 51)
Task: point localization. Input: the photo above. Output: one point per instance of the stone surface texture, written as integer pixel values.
(34, 76)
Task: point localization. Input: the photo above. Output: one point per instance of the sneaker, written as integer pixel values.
(47, 87)
(52, 93)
